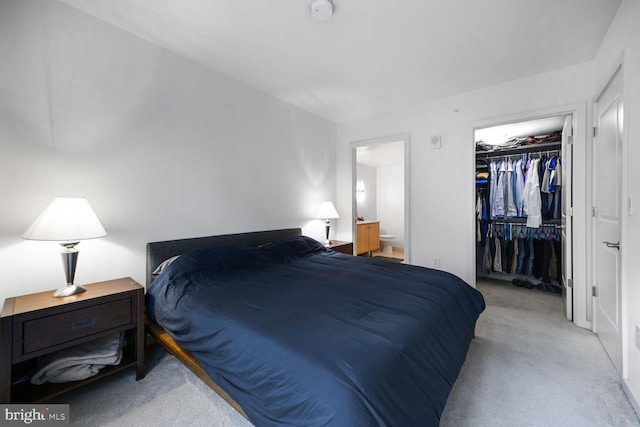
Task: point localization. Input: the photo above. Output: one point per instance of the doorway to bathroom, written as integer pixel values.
(380, 197)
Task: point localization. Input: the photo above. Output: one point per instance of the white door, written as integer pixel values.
(566, 233)
(608, 212)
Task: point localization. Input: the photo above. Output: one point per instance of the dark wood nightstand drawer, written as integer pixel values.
(59, 328)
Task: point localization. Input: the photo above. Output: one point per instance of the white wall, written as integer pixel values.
(161, 147)
(623, 43)
(390, 180)
(367, 209)
(441, 180)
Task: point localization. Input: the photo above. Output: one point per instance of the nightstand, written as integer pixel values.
(340, 246)
(38, 324)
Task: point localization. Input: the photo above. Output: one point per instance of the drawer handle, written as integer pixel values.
(83, 322)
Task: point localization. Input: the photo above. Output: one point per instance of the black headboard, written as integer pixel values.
(160, 251)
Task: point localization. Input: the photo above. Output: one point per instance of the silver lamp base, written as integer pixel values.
(69, 260)
(67, 291)
(327, 227)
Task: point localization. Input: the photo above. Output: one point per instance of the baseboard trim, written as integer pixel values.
(631, 398)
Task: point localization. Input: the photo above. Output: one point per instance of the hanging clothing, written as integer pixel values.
(518, 183)
(478, 216)
(511, 211)
(518, 187)
(493, 185)
(531, 196)
(516, 254)
(546, 177)
(499, 199)
(555, 187)
(497, 259)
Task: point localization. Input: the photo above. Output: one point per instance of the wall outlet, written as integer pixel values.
(436, 262)
(637, 337)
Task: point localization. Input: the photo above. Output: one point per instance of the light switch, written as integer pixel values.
(436, 142)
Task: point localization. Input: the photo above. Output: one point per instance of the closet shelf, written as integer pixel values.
(523, 221)
(519, 150)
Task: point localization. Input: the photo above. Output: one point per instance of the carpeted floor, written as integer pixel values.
(527, 366)
(169, 396)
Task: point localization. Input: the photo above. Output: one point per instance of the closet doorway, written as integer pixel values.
(523, 199)
(380, 201)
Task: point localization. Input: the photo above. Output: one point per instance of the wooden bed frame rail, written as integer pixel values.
(187, 359)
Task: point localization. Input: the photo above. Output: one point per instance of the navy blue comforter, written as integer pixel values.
(300, 335)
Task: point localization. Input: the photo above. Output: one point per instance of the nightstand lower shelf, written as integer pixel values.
(25, 392)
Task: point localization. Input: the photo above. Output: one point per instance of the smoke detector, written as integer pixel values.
(321, 10)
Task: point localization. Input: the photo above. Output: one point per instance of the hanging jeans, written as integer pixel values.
(523, 257)
(509, 255)
(531, 258)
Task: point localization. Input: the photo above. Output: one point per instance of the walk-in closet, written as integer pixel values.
(521, 215)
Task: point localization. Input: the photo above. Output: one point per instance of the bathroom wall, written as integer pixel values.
(368, 207)
(390, 204)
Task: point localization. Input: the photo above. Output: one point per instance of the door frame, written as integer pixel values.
(567, 216)
(405, 138)
(581, 198)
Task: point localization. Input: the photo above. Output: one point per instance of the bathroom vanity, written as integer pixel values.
(367, 236)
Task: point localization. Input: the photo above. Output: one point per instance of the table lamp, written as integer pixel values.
(67, 220)
(327, 212)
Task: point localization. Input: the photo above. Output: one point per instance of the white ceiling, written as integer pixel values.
(372, 55)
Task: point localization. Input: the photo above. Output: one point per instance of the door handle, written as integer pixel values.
(612, 245)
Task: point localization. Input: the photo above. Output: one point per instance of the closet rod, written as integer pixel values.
(549, 152)
(524, 221)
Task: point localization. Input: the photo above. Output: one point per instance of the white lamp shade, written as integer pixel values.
(327, 211)
(66, 219)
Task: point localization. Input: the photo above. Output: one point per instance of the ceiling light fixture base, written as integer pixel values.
(321, 10)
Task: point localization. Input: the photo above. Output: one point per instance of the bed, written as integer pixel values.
(292, 333)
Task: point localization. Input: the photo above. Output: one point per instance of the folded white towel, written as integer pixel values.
(80, 362)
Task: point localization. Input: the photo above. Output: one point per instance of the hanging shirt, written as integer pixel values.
(546, 178)
(518, 187)
(511, 210)
(493, 180)
(556, 186)
(531, 196)
(555, 175)
(498, 199)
